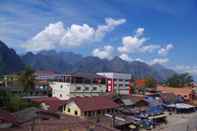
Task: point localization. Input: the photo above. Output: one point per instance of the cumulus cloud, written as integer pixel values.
(109, 26)
(165, 51)
(140, 60)
(125, 57)
(139, 32)
(136, 43)
(47, 39)
(104, 53)
(187, 68)
(57, 36)
(159, 61)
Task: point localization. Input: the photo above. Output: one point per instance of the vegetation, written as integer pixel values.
(27, 79)
(150, 82)
(12, 102)
(180, 80)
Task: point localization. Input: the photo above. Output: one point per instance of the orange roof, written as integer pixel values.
(140, 83)
(184, 91)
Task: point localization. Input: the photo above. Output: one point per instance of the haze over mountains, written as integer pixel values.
(67, 62)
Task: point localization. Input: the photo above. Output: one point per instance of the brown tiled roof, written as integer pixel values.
(69, 123)
(184, 91)
(94, 103)
(53, 103)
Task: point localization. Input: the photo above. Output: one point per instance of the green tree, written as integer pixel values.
(27, 79)
(150, 82)
(180, 80)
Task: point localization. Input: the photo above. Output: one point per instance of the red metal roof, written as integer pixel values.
(94, 103)
(53, 103)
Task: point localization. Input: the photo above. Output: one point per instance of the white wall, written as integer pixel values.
(121, 81)
(70, 90)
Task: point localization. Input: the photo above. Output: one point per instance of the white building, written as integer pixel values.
(117, 82)
(78, 84)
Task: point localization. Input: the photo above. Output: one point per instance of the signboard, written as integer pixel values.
(110, 85)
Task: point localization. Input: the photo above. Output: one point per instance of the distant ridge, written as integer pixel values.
(10, 62)
(68, 62)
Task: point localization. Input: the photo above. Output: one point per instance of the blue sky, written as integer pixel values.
(154, 31)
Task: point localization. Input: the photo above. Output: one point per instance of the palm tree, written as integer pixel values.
(27, 79)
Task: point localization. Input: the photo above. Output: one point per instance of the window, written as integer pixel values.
(120, 85)
(76, 113)
(94, 88)
(78, 88)
(86, 88)
(68, 110)
(120, 79)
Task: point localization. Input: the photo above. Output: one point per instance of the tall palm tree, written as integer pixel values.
(27, 79)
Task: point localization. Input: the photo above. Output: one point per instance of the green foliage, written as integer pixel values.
(13, 102)
(150, 82)
(27, 79)
(180, 80)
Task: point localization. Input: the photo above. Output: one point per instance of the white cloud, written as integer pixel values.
(77, 35)
(104, 53)
(57, 36)
(140, 60)
(186, 68)
(47, 39)
(136, 43)
(165, 51)
(109, 26)
(125, 57)
(139, 32)
(159, 61)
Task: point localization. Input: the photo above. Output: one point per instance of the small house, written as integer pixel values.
(90, 106)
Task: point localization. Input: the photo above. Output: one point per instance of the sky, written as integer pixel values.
(152, 31)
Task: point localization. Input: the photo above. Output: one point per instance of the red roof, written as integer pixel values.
(53, 103)
(140, 83)
(7, 117)
(94, 103)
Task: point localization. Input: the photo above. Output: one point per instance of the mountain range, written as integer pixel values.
(69, 62)
(10, 62)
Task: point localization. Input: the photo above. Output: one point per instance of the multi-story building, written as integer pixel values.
(119, 83)
(78, 84)
(43, 75)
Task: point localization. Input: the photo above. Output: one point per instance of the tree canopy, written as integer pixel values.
(27, 79)
(180, 80)
(150, 82)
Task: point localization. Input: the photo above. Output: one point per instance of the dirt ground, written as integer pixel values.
(180, 122)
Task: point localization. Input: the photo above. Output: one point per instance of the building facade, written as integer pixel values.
(90, 106)
(67, 86)
(119, 83)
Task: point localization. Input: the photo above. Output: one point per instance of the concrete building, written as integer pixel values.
(119, 83)
(78, 84)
